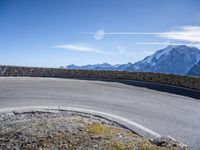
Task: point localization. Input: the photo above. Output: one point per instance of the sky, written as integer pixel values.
(53, 33)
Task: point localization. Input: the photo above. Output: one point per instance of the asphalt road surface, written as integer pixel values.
(163, 112)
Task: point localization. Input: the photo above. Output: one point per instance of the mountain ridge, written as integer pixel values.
(169, 60)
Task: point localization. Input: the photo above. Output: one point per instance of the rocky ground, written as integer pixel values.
(71, 130)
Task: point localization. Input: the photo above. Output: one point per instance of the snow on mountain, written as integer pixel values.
(172, 59)
(178, 59)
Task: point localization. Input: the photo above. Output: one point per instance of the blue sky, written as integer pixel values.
(53, 33)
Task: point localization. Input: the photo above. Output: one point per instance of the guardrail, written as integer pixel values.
(183, 81)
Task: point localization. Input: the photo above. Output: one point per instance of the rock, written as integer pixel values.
(68, 130)
(96, 137)
(168, 141)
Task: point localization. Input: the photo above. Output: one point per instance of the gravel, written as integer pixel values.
(60, 130)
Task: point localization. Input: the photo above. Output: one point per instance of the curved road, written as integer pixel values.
(164, 113)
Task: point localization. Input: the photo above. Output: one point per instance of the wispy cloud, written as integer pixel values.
(184, 33)
(82, 48)
(78, 47)
(138, 33)
(169, 43)
(99, 35)
(164, 43)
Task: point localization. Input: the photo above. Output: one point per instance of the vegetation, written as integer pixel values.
(69, 130)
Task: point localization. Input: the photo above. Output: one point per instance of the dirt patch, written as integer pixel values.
(69, 130)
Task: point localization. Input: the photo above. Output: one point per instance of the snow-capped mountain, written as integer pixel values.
(172, 60)
(195, 70)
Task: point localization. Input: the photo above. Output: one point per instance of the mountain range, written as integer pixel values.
(174, 59)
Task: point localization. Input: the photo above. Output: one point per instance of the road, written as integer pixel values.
(162, 112)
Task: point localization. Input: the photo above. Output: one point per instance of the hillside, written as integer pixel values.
(171, 60)
(195, 70)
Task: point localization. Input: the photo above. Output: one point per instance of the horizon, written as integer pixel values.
(53, 34)
(131, 62)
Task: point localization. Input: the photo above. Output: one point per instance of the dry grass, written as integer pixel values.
(73, 132)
